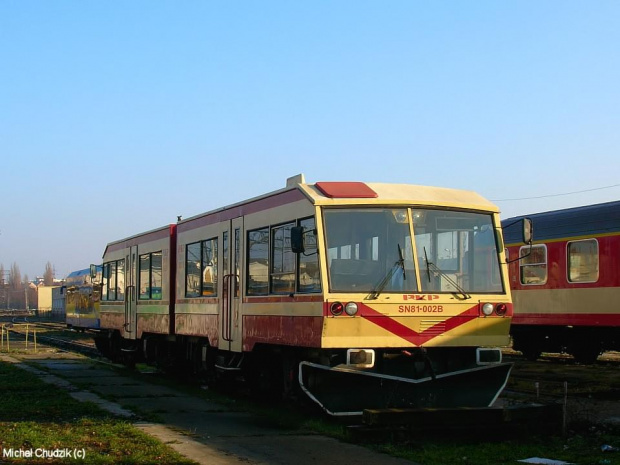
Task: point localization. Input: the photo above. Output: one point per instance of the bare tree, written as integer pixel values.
(3, 288)
(15, 293)
(30, 293)
(15, 278)
(48, 276)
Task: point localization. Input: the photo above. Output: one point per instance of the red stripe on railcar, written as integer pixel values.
(153, 323)
(111, 320)
(414, 337)
(567, 319)
(282, 299)
(196, 324)
(302, 331)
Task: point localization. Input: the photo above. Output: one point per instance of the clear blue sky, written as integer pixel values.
(117, 116)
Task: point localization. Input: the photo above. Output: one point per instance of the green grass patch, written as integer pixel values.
(576, 449)
(35, 416)
(25, 397)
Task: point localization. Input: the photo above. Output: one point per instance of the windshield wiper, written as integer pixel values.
(430, 266)
(386, 279)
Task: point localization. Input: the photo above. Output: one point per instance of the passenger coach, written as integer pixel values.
(566, 287)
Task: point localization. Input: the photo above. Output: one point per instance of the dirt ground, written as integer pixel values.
(591, 393)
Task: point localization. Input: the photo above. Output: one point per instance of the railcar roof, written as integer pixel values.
(333, 193)
(406, 194)
(589, 220)
(140, 238)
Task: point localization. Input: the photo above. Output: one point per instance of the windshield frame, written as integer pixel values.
(463, 224)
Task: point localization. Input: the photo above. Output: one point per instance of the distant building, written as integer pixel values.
(58, 302)
(46, 300)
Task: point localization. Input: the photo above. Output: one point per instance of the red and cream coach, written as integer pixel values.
(566, 286)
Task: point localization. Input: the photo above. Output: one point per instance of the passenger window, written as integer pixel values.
(583, 261)
(150, 276)
(533, 267)
(282, 260)
(309, 278)
(201, 269)
(258, 261)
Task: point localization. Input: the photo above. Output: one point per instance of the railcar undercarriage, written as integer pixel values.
(342, 382)
(445, 378)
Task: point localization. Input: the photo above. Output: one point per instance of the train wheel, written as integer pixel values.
(530, 346)
(531, 353)
(586, 352)
(103, 346)
(272, 376)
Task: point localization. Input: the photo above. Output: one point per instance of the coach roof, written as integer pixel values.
(590, 220)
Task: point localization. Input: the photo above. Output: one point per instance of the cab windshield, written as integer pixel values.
(457, 252)
(371, 250)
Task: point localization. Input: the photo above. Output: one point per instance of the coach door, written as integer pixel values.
(131, 293)
(230, 318)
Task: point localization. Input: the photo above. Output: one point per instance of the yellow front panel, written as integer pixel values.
(437, 324)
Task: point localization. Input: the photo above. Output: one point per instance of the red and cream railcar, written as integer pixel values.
(566, 290)
(327, 283)
(137, 292)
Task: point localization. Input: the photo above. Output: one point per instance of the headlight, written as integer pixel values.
(351, 308)
(487, 309)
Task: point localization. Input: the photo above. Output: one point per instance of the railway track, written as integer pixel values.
(52, 334)
(589, 392)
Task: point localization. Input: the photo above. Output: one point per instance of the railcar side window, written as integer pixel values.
(309, 280)
(533, 267)
(150, 276)
(236, 257)
(113, 280)
(258, 261)
(272, 266)
(583, 261)
(282, 273)
(225, 252)
(201, 269)
(192, 270)
(209, 267)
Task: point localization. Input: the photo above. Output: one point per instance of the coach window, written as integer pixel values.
(192, 270)
(225, 252)
(113, 280)
(120, 280)
(145, 276)
(282, 273)
(308, 275)
(150, 276)
(533, 267)
(209, 268)
(236, 256)
(105, 282)
(583, 261)
(201, 269)
(258, 261)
